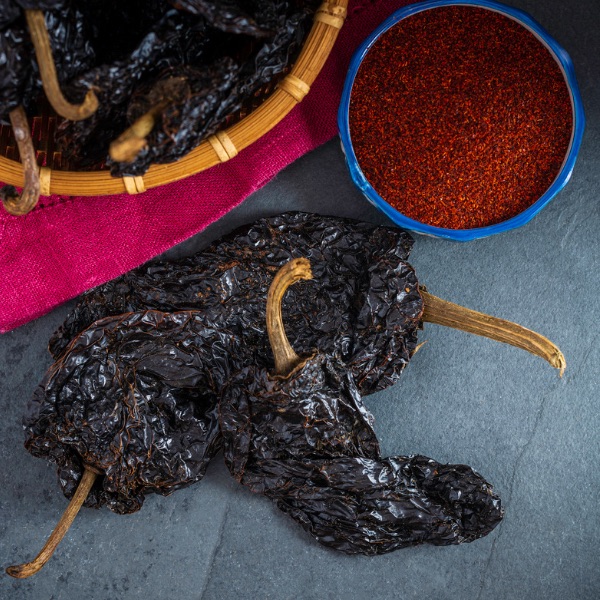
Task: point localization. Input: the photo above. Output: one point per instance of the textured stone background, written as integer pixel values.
(462, 399)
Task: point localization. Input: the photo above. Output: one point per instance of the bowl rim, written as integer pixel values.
(566, 65)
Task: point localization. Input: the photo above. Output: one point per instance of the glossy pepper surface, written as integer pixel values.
(300, 435)
(135, 398)
(363, 303)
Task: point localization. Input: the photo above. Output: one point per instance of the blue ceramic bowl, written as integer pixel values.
(463, 235)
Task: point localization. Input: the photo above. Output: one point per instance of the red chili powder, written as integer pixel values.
(460, 117)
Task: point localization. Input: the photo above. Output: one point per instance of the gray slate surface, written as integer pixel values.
(462, 399)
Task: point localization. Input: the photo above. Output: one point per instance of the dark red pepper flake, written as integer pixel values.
(460, 117)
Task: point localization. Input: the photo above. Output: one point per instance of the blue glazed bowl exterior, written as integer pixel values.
(463, 235)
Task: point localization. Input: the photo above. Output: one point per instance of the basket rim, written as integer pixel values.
(220, 147)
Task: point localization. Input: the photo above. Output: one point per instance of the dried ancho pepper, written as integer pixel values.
(129, 409)
(302, 437)
(366, 305)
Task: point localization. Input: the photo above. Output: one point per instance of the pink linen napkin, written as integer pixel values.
(67, 245)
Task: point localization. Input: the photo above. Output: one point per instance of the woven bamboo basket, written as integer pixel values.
(218, 148)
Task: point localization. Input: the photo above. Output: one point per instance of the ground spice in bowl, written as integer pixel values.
(460, 116)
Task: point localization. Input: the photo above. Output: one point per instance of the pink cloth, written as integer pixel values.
(70, 244)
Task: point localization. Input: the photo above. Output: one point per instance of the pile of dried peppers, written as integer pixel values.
(159, 369)
(145, 79)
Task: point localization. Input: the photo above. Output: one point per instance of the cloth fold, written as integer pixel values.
(67, 245)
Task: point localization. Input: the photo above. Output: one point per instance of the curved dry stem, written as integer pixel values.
(15, 203)
(453, 315)
(43, 52)
(286, 360)
(130, 143)
(31, 568)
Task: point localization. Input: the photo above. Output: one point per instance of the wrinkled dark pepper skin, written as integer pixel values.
(223, 60)
(225, 51)
(363, 303)
(19, 75)
(135, 397)
(175, 363)
(314, 413)
(227, 15)
(307, 443)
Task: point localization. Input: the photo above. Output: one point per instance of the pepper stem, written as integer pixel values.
(129, 144)
(14, 203)
(31, 568)
(286, 360)
(453, 315)
(43, 52)
(133, 140)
